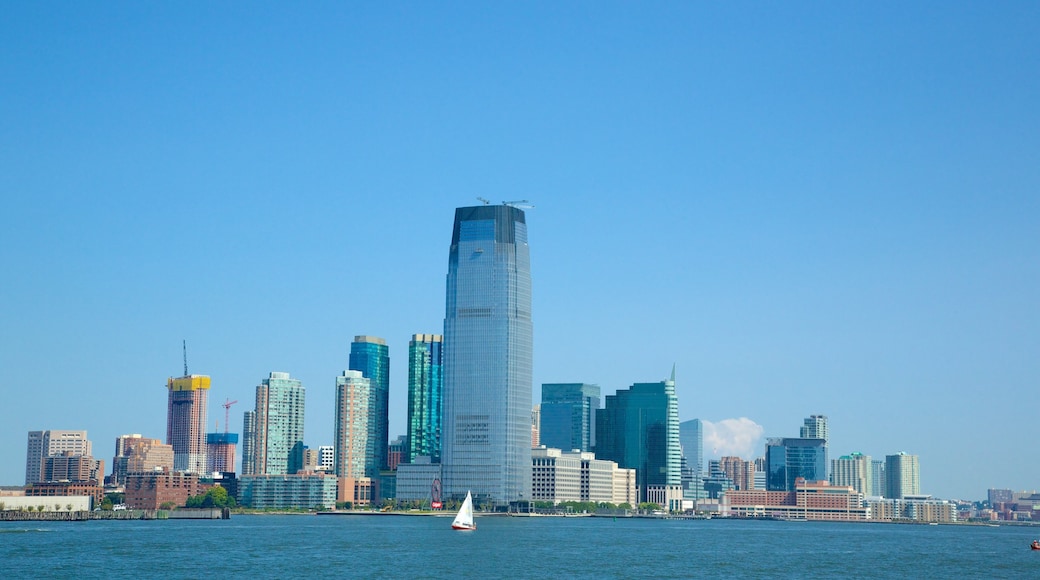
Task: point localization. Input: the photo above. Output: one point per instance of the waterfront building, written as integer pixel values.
(877, 478)
(853, 470)
(560, 476)
(248, 443)
(151, 490)
(740, 472)
(914, 508)
(417, 480)
(53, 503)
(790, 458)
(425, 397)
(639, 429)
(220, 452)
(567, 416)
(186, 421)
(488, 343)
(625, 488)
(353, 449)
(807, 500)
(43, 444)
(288, 491)
(56, 489)
(277, 447)
(371, 356)
(902, 475)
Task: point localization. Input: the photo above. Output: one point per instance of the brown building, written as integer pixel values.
(811, 500)
(57, 488)
(150, 491)
(740, 472)
(71, 467)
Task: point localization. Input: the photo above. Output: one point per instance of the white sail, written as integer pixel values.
(464, 520)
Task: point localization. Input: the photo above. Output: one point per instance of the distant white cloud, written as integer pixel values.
(739, 437)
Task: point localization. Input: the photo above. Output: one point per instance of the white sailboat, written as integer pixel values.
(464, 520)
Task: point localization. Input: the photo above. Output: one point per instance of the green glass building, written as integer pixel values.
(568, 416)
(639, 429)
(425, 392)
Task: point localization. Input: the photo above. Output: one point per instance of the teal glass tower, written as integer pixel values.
(371, 356)
(486, 443)
(425, 397)
(568, 415)
(639, 429)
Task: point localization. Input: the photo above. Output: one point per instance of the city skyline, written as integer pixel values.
(804, 209)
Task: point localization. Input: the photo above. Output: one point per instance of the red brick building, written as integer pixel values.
(149, 491)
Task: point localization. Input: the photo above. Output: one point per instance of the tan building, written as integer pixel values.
(151, 490)
(921, 509)
(43, 444)
(740, 472)
(559, 476)
(69, 467)
(853, 470)
(64, 488)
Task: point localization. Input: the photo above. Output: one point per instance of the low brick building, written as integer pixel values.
(149, 491)
(64, 488)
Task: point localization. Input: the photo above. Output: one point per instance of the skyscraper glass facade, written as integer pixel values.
(278, 437)
(370, 355)
(425, 397)
(902, 475)
(248, 443)
(789, 458)
(639, 429)
(486, 434)
(568, 416)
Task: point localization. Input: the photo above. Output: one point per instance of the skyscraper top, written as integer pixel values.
(188, 383)
(372, 339)
(503, 215)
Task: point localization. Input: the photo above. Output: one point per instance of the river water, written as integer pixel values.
(295, 546)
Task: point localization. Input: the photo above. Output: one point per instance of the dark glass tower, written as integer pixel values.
(486, 442)
(370, 355)
(425, 394)
(788, 458)
(568, 416)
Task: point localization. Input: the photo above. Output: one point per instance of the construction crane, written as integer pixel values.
(227, 412)
(486, 201)
(519, 204)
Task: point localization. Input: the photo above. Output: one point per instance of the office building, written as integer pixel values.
(639, 429)
(220, 452)
(425, 397)
(396, 452)
(740, 472)
(560, 476)
(817, 500)
(691, 439)
(327, 458)
(288, 491)
(790, 458)
(371, 356)
(815, 427)
(853, 470)
(278, 426)
(568, 416)
(902, 475)
(486, 434)
(352, 429)
(248, 442)
(536, 426)
(160, 489)
(43, 444)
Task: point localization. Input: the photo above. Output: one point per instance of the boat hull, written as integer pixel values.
(463, 528)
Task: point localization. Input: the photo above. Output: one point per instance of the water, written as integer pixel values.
(293, 546)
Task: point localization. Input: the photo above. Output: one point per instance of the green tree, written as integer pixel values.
(68, 506)
(167, 505)
(40, 507)
(106, 504)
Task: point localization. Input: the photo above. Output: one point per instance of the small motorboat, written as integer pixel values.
(1035, 545)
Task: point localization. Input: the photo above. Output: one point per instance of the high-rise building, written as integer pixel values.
(278, 432)
(220, 452)
(186, 421)
(788, 458)
(488, 343)
(853, 470)
(877, 478)
(371, 356)
(639, 429)
(568, 416)
(536, 426)
(68, 466)
(396, 451)
(43, 444)
(137, 454)
(815, 427)
(425, 397)
(327, 458)
(249, 443)
(353, 426)
(691, 439)
(740, 472)
(902, 475)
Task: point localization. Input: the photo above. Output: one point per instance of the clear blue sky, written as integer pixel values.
(809, 208)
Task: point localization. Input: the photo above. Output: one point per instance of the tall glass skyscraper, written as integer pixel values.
(370, 355)
(788, 458)
(486, 442)
(639, 429)
(278, 433)
(425, 397)
(568, 416)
